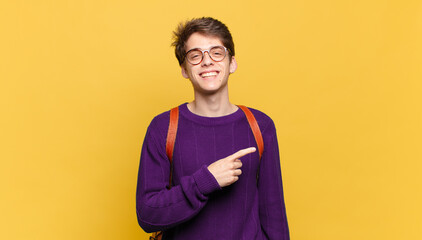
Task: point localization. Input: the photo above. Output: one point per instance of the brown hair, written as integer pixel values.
(207, 26)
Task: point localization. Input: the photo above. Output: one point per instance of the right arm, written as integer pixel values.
(159, 208)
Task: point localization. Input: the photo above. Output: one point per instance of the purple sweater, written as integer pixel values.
(196, 207)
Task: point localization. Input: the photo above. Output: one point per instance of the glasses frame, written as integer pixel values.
(203, 54)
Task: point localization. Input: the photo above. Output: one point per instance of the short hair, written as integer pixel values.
(207, 26)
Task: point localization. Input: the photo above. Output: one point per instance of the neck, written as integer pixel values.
(214, 105)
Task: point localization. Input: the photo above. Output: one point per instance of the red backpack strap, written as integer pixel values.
(171, 137)
(156, 236)
(255, 129)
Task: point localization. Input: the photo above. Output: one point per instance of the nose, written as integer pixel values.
(207, 59)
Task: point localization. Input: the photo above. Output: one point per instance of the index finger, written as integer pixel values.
(242, 153)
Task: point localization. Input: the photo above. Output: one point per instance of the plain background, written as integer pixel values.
(81, 80)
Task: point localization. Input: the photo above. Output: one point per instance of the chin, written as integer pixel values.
(211, 90)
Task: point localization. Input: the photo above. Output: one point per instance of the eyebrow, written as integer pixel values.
(202, 49)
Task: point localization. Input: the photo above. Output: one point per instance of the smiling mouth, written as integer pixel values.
(208, 74)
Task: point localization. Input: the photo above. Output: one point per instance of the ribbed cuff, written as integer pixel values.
(205, 181)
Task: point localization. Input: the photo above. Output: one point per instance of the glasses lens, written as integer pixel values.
(194, 56)
(217, 53)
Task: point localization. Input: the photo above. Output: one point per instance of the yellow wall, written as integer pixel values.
(81, 80)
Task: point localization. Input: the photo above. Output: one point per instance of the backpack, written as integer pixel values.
(171, 138)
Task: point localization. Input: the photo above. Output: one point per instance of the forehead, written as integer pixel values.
(202, 41)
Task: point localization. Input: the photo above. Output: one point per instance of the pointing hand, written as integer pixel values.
(227, 170)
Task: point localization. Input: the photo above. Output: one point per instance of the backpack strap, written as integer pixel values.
(171, 137)
(172, 132)
(255, 129)
(156, 236)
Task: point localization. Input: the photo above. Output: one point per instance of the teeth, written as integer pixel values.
(209, 74)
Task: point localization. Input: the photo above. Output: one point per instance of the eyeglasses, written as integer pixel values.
(196, 55)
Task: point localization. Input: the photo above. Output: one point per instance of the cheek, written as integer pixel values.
(188, 72)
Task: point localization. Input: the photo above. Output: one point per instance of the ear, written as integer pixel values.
(184, 72)
(233, 65)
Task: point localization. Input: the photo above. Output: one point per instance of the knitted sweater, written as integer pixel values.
(196, 207)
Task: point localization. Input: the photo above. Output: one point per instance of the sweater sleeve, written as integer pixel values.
(159, 208)
(272, 211)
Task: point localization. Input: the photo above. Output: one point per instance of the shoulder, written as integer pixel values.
(161, 119)
(159, 125)
(266, 124)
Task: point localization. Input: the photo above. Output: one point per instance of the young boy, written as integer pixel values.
(221, 189)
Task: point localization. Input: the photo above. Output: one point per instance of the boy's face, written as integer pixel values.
(209, 76)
